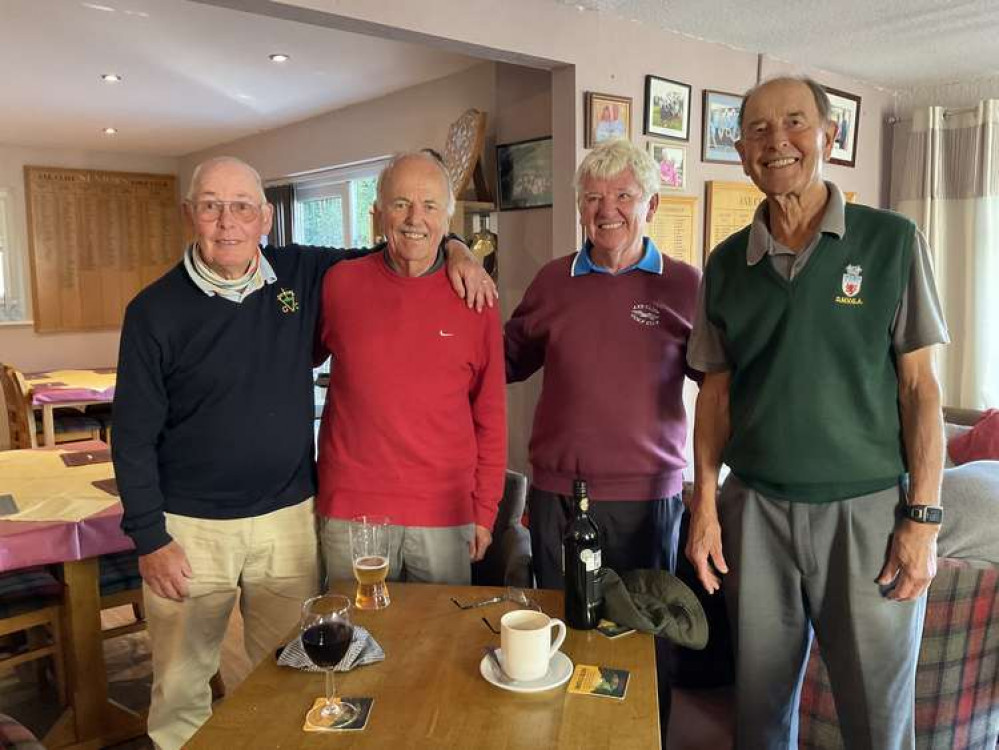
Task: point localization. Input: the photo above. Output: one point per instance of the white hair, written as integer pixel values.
(383, 178)
(611, 158)
(215, 161)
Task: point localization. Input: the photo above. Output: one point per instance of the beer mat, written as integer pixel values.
(315, 722)
(603, 681)
(363, 649)
(612, 629)
(7, 505)
(110, 486)
(86, 458)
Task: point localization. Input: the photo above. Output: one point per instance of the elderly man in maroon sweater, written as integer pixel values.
(609, 324)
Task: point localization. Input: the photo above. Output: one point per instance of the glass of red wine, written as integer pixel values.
(326, 635)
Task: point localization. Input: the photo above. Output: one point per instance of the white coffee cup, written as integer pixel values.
(526, 639)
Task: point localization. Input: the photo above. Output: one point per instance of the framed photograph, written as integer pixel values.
(667, 108)
(721, 127)
(672, 161)
(524, 174)
(606, 116)
(845, 113)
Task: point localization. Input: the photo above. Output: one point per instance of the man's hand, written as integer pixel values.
(468, 277)
(704, 545)
(912, 560)
(478, 546)
(166, 571)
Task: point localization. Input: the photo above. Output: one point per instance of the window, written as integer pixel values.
(11, 288)
(333, 208)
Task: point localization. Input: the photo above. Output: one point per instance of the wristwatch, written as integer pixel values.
(923, 513)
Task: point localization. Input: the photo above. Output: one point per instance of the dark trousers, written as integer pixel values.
(634, 534)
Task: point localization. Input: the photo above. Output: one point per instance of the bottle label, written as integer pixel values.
(591, 559)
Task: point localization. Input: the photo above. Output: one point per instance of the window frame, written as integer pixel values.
(13, 289)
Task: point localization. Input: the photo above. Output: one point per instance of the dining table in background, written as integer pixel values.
(428, 692)
(38, 475)
(55, 389)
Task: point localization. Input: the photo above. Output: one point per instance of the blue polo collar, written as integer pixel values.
(650, 262)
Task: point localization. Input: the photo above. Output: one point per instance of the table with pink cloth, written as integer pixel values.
(64, 388)
(30, 475)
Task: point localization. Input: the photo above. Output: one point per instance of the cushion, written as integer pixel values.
(26, 590)
(119, 572)
(980, 443)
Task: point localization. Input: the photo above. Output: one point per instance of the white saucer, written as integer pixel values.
(559, 672)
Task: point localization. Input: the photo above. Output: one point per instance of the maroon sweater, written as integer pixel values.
(415, 424)
(614, 353)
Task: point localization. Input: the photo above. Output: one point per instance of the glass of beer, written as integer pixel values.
(369, 549)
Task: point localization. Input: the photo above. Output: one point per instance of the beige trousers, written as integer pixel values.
(272, 560)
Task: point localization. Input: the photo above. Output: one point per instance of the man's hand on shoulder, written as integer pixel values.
(912, 560)
(468, 277)
(480, 543)
(704, 544)
(166, 571)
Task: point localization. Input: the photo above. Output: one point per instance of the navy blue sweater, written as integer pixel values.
(213, 409)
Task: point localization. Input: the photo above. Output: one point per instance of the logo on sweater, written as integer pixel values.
(851, 286)
(288, 302)
(646, 315)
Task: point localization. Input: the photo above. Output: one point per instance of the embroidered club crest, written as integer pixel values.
(646, 315)
(288, 302)
(852, 281)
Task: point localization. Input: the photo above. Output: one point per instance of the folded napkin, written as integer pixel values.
(654, 601)
(363, 649)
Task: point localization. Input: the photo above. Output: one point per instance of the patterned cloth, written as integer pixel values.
(957, 704)
(364, 649)
(14, 736)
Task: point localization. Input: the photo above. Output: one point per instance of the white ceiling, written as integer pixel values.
(895, 44)
(194, 75)
(197, 75)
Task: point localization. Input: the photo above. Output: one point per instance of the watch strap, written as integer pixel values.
(923, 513)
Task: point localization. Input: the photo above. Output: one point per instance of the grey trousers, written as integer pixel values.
(422, 554)
(795, 568)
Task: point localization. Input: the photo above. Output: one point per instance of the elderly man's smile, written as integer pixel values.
(784, 161)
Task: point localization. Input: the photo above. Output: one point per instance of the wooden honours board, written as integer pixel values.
(729, 206)
(672, 227)
(95, 239)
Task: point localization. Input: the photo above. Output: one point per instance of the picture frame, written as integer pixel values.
(524, 174)
(845, 112)
(672, 161)
(606, 116)
(667, 108)
(720, 127)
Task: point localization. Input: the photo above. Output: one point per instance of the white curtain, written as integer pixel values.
(945, 177)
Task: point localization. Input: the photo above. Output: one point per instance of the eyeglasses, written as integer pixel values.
(211, 210)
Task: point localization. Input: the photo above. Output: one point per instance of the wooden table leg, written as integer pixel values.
(87, 677)
(48, 425)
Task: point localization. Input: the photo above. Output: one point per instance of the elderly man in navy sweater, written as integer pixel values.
(213, 446)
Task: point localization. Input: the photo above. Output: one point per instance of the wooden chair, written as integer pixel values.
(31, 605)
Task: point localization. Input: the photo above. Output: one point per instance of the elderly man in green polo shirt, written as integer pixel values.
(816, 327)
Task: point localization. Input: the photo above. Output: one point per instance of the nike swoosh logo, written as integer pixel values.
(445, 335)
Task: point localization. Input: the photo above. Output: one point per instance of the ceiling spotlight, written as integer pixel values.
(95, 6)
(109, 131)
(111, 78)
(279, 57)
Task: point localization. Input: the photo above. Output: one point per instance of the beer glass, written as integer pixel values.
(369, 551)
(326, 635)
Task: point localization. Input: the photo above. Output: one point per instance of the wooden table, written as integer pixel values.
(429, 694)
(90, 721)
(58, 389)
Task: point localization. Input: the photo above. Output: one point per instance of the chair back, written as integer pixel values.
(19, 417)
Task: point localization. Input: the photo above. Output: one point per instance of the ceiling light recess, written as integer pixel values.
(109, 131)
(111, 77)
(279, 57)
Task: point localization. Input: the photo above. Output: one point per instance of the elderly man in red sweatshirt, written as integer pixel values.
(609, 324)
(416, 429)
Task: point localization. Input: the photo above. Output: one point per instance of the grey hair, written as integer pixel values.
(822, 103)
(192, 189)
(611, 158)
(423, 155)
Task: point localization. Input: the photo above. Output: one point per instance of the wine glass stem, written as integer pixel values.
(330, 689)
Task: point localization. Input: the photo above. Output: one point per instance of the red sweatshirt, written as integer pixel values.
(415, 423)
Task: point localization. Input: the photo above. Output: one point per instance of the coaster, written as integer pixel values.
(110, 486)
(7, 505)
(86, 458)
(612, 629)
(602, 681)
(315, 723)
